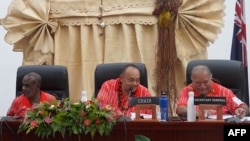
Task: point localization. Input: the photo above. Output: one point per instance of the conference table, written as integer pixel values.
(126, 131)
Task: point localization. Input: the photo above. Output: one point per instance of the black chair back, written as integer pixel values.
(104, 72)
(54, 79)
(228, 73)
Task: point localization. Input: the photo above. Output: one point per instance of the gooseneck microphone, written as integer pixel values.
(125, 117)
(129, 92)
(202, 95)
(127, 104)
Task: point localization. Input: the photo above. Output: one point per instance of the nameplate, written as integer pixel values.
(210, 100)
(143, 100)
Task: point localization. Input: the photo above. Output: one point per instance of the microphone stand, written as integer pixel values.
(125, 117)
(206, 114)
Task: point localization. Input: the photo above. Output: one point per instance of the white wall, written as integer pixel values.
(221, 48)
(9, 60)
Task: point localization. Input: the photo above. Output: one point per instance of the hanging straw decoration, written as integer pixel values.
(166, 55)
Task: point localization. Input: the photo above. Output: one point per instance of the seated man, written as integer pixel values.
(31, 95)
(202, 83)
(115, 92)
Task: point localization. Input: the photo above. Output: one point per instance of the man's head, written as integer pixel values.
(201, 79)
(31, 84)
(130, 78)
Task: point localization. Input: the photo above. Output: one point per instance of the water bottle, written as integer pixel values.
(164, 106)
(84, 96)
(191, 114)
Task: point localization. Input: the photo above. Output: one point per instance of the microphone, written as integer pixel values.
(202, 95)
(129, 97)
(129, 92)
(125, 117)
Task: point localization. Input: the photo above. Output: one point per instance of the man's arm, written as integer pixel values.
(181, 111)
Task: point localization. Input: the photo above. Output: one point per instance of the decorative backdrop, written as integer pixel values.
(80, 34)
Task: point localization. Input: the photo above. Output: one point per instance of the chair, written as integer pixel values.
(54, 79)
(104, 72)
(229, 73)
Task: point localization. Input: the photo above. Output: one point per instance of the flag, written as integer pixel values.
(239, 42)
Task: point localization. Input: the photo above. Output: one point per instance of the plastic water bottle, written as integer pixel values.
(84, 96)
(164, 106)
(191, 114)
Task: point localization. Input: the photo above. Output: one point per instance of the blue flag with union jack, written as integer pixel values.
(239, 43)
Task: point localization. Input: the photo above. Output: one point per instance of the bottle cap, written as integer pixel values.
(84, 96)
(191, 93)
(84, 92)
(163, 92)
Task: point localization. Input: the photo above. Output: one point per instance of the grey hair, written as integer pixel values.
(201, 68)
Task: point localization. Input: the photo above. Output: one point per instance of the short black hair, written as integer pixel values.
(129, 65)
(36, 76)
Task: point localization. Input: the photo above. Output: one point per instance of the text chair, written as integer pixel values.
(54, 79)
(107, 71)
(229, 73)
(142, 103)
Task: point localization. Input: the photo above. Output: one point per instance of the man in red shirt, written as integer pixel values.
(32, 95)
(115, 92)
(202, 83)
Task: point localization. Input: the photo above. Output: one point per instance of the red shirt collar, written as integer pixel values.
(117, 85)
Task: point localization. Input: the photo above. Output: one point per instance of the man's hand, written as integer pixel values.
(240, 112)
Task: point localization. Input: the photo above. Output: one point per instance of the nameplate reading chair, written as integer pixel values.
(142, 103)
(54, 79)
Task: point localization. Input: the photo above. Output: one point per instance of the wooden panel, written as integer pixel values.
(125, 131)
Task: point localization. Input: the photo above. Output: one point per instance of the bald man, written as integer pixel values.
(202, 83)
(116, 92)
(31, 95)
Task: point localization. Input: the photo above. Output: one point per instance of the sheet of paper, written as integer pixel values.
(146, 116)
(245, 119)
(224, 116)
(229, 116)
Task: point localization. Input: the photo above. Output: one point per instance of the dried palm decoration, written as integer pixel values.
(166, 56)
